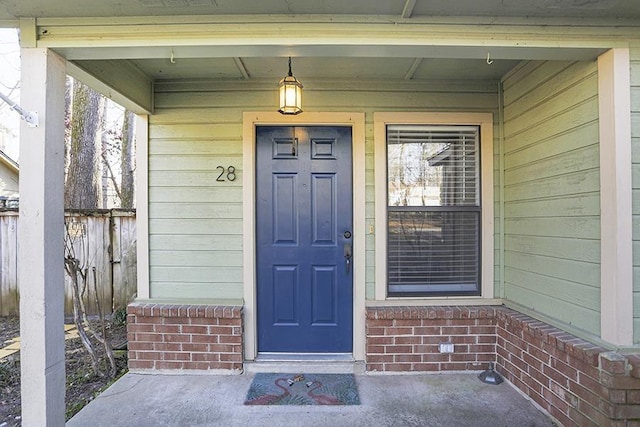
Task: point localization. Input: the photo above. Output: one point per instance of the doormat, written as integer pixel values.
(303, 389)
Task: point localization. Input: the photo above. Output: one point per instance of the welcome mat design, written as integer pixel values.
(303, 389)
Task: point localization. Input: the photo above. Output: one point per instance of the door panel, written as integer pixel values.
(286, 206)
(323, 209)
(285, 282)
(324, 292)
(303, 211)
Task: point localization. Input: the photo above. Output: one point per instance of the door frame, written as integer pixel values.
(250, 121)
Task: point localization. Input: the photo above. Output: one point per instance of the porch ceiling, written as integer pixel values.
(325, 68)
(628, 9)
(221, 46)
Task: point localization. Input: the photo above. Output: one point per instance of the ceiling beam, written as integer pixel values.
(114, 79)
(406, 39)
(242, 68)
(412, 69)
(365, 32)
(335, 51)
(304, 19)
(407, 11)
(28, 32)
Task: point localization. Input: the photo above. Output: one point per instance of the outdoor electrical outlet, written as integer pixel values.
(445, 347)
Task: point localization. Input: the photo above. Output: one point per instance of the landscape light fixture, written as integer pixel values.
(290, 90)
(490, 376)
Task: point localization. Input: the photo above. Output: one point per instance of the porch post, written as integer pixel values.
(41, 244)
(142, 206)
(616, 245)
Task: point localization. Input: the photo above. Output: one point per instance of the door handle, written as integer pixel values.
(348, 254)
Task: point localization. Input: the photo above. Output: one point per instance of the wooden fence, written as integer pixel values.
(103, 239)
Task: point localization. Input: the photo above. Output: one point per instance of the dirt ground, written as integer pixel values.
(82, 383)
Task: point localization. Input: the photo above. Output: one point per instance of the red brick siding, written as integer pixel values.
(185, 337)
(402, 339)
(578, 383)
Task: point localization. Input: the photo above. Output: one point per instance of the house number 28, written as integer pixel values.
(226, 174)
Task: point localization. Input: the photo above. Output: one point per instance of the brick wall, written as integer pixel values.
(185, 337)
(578, 383)
(406, 338)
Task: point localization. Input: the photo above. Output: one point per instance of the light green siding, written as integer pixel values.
(195, 223)
(552, 203)
(635, 141)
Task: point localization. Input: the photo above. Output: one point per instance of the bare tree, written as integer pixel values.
(9, 86)
(127, 167)
(118, 148)
(77, 264)
(83, 189)
(68, 94)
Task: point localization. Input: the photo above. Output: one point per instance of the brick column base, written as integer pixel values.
(189, 337)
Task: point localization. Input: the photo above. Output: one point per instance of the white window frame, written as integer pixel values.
(485, 122)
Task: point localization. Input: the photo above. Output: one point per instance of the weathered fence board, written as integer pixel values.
(124, 265)
(101, 240)
(9, 269)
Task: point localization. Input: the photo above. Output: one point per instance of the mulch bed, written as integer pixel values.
(83, 385)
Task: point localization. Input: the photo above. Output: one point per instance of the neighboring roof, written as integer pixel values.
(9, 162)
(438, 158)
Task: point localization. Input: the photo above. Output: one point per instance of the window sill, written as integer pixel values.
(436, 301)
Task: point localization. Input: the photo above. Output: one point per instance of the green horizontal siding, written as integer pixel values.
(204, 209)
(635, 141)
(576, 205)
(551, 191)
(200, 291)
(195, 222)
(197, 258)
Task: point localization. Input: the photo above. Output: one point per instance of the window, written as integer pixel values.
(433, 210)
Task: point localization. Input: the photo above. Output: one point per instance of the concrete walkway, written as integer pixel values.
(387, 400)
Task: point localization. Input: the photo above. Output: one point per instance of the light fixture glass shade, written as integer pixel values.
(290, 90)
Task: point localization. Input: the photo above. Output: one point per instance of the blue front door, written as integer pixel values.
(304, 226)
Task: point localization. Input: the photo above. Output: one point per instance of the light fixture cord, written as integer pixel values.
(290, 73)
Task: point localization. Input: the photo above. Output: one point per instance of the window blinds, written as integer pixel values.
(433, 209)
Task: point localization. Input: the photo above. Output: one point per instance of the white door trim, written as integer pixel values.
(250, 121)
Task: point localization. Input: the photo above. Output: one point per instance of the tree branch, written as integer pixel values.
(112, 177)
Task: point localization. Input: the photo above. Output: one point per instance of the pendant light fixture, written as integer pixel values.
(290, 90)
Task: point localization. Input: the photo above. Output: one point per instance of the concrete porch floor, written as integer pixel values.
(456, 399)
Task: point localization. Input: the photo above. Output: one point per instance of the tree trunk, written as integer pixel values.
(68, 90)
(83, 186)
(128, 148)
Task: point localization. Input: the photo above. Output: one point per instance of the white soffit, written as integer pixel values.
(310, 68)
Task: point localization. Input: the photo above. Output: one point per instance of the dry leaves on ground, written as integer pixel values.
(83, 385)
